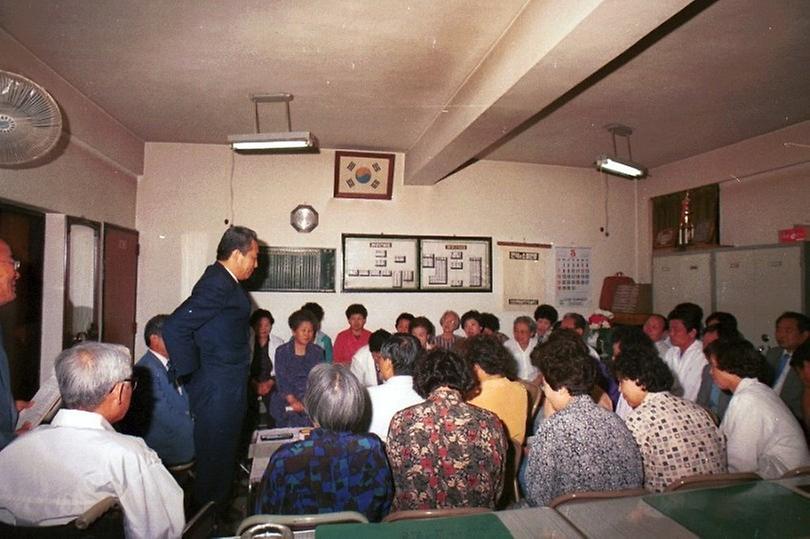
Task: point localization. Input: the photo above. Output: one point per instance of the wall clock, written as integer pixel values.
(304, 218)
(364, 175)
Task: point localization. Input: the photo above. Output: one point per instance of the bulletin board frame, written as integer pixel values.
(380, 263)
(404, 263)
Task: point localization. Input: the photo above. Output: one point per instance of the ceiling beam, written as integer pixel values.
(549, 49)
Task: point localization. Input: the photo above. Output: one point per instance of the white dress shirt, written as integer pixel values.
(762, 434)
(393, 395)
(526, 371)
(687, 369)
(663, 347)
(56, 472)
(363, 366)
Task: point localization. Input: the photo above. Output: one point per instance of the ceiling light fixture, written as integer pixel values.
(612, 164)
(282, 141)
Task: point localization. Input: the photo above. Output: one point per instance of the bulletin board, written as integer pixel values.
(392, 263)
(380, 263)
(454, 264)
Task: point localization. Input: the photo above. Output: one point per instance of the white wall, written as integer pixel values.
(764, 187)
(183, 199)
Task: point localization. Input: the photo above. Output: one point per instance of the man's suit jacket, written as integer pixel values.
(207, 340)
(793, 388)
(705, 392)
(8, 410)
(163, 416)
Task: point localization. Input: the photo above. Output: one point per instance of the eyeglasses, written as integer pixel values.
(14, 263)
(132, 382)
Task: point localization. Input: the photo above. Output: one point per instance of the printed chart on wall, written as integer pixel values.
(380, 263)
(573, 276)
(523, 267)
(456, 264)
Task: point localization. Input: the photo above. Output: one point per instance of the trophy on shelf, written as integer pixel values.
(686, 228)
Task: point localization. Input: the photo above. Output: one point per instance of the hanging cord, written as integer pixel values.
(233, 166)
(606, 229)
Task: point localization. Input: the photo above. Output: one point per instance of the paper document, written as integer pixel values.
(45, 402)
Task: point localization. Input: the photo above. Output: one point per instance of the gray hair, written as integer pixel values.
(87, 372)
(450, 313)
(526, 320)
(336, 400)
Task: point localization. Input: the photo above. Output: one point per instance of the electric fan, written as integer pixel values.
(30, 121)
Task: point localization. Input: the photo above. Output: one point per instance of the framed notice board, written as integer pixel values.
(293, 269)
(383, 263)
(455, 264)
(380, 263)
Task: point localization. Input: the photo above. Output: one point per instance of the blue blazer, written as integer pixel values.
(8, 409)
(166, 424)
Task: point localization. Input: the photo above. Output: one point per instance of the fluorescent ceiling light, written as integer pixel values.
(273, 141)
(286, 140)
(620, 167)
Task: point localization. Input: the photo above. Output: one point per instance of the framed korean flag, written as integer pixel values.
(364, 175)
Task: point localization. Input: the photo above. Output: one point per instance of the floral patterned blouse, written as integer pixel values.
(446, 453)
(581, 447)
(677, 439)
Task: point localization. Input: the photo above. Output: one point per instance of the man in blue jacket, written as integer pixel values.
(207, 341)
(160, 404)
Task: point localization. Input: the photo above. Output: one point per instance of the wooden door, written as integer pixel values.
(120, 270)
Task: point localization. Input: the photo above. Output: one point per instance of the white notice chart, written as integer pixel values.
(524, 268)
(384, 263)
(573, 265)
(456, 264)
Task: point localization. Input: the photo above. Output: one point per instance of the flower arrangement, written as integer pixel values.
(600, 320)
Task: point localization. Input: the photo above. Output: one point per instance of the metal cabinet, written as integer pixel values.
(755, 283)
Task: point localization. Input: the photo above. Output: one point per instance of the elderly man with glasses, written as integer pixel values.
(57, 471)
(9, 273)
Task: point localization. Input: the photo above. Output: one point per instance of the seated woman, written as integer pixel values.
(677, 438)
(321, 339)
(621, 338)
(494, 367)
(294, 360)
(445, 452)
(337, 468)
(423, 329)
(762, 435)
(580, 446)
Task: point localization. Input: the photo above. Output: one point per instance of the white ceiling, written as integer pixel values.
(444, 81)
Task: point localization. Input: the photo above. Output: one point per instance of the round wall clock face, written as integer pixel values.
(363, 175)
(304, 218)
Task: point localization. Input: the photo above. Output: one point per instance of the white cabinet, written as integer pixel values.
(682, 277)
(756, 284)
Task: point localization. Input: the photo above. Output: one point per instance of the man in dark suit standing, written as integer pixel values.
(160, 409)
(207, 341)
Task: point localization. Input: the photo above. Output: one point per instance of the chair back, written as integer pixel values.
(591, 495)
(511, 488)
(796, 472)
(417, 514)
(535, 398)
(712, 480)
(298, 522)
(103, 519)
